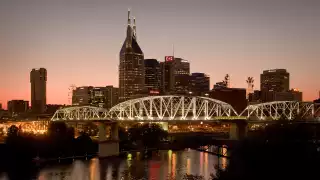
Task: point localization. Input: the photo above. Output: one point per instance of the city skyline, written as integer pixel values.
(224, 43)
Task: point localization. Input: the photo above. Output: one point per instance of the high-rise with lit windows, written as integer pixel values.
(131, 67)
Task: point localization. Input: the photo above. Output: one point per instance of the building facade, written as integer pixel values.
(17, 107)
(131, 67)
(104, 97)
(275, 80)
(175, 75)
(152, 75)
(236, 97)
(112, 96)
(199, 84)
(38, 80)
(81, 96)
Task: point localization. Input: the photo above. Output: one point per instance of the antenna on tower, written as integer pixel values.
(71, 88)
(173, 50)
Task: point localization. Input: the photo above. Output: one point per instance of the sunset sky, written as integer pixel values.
(78, 41)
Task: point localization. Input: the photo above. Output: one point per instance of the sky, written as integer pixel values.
(78, 41)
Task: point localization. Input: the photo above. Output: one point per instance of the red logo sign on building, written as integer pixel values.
(168, 58)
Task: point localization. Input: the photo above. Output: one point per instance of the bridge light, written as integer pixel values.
(201, 122)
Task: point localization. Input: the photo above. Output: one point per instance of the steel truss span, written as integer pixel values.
(80, 113)
(172, 108)
(278, 109)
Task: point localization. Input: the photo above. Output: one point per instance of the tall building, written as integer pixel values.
(0, 106)
(175, 75)
(38, 80)
(275, 80)
(16, 107)
(199, 84)
(152, 76)
(112, 96)
(131, 67)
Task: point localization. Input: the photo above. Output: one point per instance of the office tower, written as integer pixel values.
(38, 80)
(98, 97)
(199, 84)
(152, 76)
(16, 107)
(131, 67)
(175, 75)
(274, 80)
(112, 96)
(81, 96)
(167, 75)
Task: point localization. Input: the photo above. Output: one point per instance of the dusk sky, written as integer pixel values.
(78, 41)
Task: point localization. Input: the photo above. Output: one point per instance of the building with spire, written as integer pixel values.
(131, 67)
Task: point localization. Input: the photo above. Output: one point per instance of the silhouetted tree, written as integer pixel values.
(149, 134)
(12, 131)
(84, 144)
(284, 150)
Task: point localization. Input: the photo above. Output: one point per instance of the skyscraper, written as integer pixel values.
(199, 84)
(175, 75)
(152, 75)
(38, 80)
(131, 67)
(274, 80)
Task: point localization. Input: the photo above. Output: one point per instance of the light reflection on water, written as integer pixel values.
(162, 165)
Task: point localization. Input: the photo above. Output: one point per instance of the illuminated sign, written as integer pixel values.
(154, 92)
(168, 58)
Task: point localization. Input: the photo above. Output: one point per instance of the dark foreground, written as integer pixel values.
(159, 165)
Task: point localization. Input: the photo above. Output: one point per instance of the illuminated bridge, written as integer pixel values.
(168, 108)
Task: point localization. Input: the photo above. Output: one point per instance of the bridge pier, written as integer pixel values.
(108, 147)
(238, 130)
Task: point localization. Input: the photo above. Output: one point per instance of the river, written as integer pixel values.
(159, 166)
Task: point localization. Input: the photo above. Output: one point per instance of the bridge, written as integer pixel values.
(182, 109)
(187, 108)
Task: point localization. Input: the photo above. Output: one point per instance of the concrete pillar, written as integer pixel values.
(102, 132)
(107, 147)
(238, 130)
(114, 131)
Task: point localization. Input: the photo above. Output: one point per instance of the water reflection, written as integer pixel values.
(161, 165)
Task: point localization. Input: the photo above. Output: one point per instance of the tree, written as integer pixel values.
(281, 151)
(149, 134)
(13, 131)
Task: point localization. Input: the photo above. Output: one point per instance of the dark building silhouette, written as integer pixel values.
(17, 107)
(274, 80)
(152, 76)
(236, 97)
(131, 67)
(271, 81)
(112, 96)
(81, 96)
(38, 80)
(175, 75)
(52, 108)
(199, 84)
